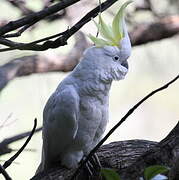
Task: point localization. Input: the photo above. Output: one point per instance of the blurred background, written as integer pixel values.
(154, 61)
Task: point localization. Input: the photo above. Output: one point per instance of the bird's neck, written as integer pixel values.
(90, 83)
(95, 87)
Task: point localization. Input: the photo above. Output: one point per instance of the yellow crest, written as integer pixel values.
(112, 35)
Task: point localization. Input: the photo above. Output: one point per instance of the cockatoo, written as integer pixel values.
(76, 114)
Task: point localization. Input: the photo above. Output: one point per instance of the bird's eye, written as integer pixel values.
(116, 58)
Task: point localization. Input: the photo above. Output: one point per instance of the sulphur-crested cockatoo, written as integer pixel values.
(76, 114)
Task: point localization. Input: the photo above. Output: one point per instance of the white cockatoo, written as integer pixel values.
(76, 114)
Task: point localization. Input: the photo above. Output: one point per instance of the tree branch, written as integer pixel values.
(4, 173)
(164, 28)
(9, 162)
(18, 33)
(129, 158)
(36, 16)
(164, 153)
(20, 4)
(62, 37)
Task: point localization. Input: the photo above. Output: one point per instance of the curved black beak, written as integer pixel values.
(125, 64)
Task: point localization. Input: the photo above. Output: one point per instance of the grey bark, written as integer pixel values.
(130, 158)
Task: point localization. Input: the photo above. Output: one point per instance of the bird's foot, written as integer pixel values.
(92, 167)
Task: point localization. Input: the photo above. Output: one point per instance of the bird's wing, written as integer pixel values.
(60, 121)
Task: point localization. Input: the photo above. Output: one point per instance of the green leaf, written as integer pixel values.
(117, 24)
(152, 171)
(110, 174)
(97, 41)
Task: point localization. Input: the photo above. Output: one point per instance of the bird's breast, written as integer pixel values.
(92, 114)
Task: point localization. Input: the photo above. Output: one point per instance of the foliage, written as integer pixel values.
(151, 171)
(110, 174)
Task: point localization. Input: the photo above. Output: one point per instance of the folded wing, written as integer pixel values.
(60, 123)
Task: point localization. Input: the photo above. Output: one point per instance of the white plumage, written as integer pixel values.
(76, 114)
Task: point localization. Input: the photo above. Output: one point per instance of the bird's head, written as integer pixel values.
(110, 54)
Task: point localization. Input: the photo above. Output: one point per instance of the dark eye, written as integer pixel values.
(116, 58)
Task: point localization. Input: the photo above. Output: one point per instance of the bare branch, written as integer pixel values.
(117, 155)
(163, 28)
(35, 17)
(166, 153)
(4, 173)
(20, 4)
(60, 41)
(129, 158)
(18, 33)
(9, 162)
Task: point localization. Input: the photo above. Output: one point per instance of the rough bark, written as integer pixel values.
(130, 158)
(116, 155)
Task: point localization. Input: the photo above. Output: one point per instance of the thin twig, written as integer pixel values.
(99, 21)
(4, 122)
(18, 33)
(4, 173)
(82, 163)
(8, 162)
